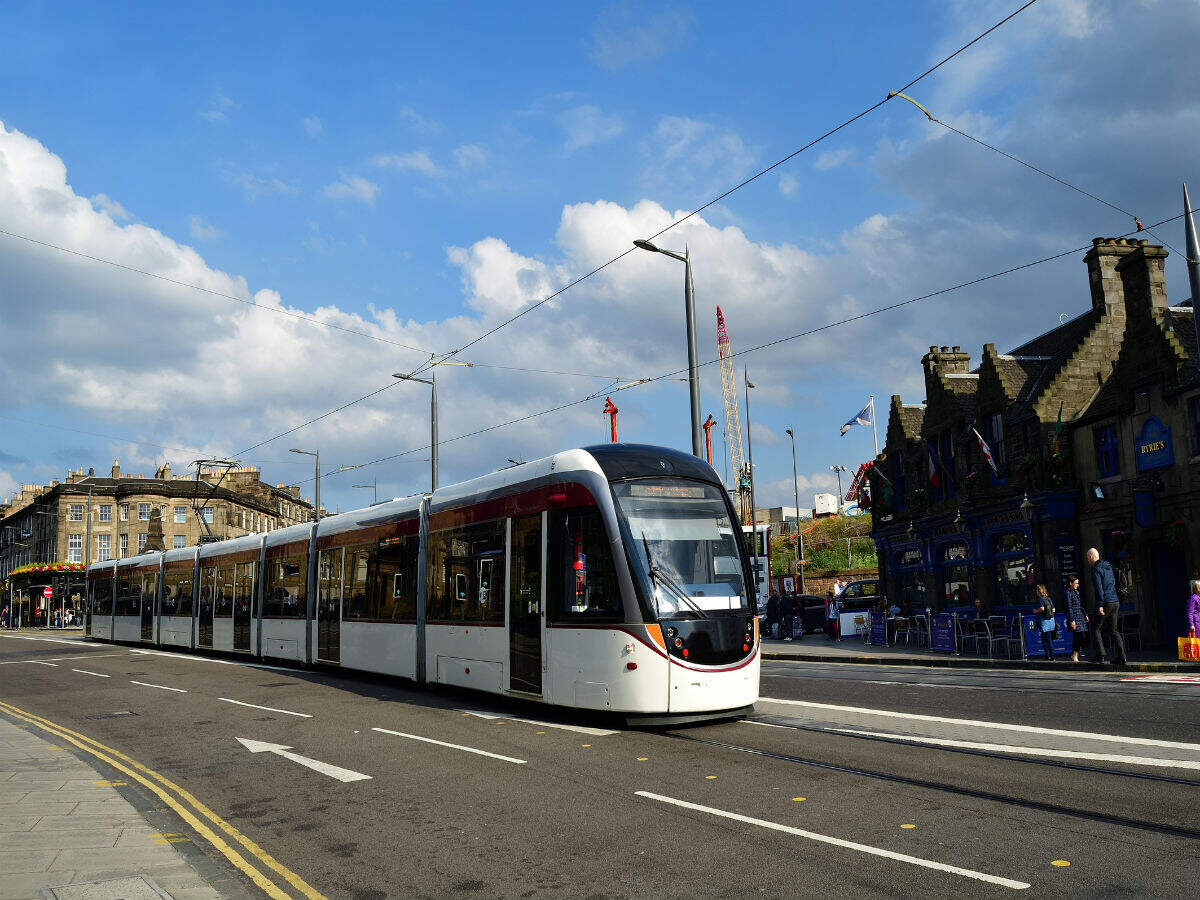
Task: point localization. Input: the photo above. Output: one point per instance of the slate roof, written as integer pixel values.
(1182, 321)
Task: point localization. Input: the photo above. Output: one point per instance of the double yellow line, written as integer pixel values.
(188, 808)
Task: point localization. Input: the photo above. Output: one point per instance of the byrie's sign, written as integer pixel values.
(1152, 446)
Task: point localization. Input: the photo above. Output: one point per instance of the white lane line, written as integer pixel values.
(286, 712)
(181, 655)
(40, 662)
(84, 656)
(582, 729)
(414, 737)
(1029, 751)
(336, 772)
(86, 672)
(30, 637)
(161, 687)
(975, 723)
(838, 842)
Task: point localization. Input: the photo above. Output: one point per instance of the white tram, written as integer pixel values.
(608, 578)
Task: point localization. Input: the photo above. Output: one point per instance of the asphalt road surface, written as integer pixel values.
(849, 781)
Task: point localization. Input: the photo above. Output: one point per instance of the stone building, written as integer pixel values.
(1094, 427)
(52, 523)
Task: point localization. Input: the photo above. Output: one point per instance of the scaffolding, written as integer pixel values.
(733, 420)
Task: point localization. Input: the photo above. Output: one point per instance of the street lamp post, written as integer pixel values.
(750, 473)
(839, 470)
(433, 410)
(689, 310)
(373, 486)
(317, 504)
(799, 533)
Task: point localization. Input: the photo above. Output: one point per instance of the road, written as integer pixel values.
(849, 781)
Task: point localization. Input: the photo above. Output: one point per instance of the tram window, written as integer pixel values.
(462, 568)
(284, 588)
(583, 582)
(393, 585)
(354, 582)
(150, 587)
(329, 581)
(103, 593)
(244, 576)
(223, 592)
(129, 590)
(177, 593)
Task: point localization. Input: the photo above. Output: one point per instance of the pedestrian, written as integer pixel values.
(838, 587)
(1045, 611)
(1193, 611)
(787, 608)
(773, 615)
(1108, 607)
(1077, 619)
(833, 609)
(4, 618)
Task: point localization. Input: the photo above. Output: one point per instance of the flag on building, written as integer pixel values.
(863, 418)
(935, 478)
(987, 452)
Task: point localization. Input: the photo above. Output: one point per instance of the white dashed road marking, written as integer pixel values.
(582, 729)
(86, 672)
(161, 687)
(286, 712)
(838, 842)
(414, 737)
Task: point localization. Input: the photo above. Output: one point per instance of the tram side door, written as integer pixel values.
(525, 603)
(204, 636)
(149, 592)
(329, 605)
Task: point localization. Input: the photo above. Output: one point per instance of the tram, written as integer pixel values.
(612, 577)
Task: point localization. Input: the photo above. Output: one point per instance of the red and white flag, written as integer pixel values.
(986, 451)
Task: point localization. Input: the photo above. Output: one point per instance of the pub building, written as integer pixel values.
(1094, 429)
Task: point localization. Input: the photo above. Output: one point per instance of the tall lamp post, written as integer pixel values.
(1028, 510)
(373, 486)
(433, 410)
(689, 310)
(317, 455)
(799, 533)
(838, 470)
(750, 473)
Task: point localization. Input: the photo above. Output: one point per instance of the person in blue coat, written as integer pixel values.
(1077, 619)
(1108, 608)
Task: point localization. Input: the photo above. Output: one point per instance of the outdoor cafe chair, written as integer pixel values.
(1000, 634)
(920, 627)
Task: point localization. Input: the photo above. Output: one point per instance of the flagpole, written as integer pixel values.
(874, 431)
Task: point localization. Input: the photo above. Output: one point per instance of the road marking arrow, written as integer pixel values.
(324, 768)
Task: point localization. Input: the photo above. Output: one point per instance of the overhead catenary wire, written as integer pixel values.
(759, 347)
(737, 187)
(215, 293)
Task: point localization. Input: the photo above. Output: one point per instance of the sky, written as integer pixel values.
(330, 197)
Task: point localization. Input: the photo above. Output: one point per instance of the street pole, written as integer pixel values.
(433, 431)
(1193, 259)
(317, 504)
(689, 311)
(750, 472)
(799, 534)
(839, 470)
(87, 541)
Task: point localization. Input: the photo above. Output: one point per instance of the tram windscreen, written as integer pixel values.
(687, 529)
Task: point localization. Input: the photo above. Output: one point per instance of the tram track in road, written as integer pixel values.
(944, 787)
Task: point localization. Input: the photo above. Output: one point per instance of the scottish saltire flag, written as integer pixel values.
(863, 418)
(986, 451)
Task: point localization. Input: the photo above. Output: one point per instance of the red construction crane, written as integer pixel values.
(708, 427)
(611, 411)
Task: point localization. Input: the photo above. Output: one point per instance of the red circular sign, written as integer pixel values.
(47, 593)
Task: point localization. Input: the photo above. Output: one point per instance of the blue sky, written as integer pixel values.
(423, 172)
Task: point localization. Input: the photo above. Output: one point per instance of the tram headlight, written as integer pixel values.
(671, 632)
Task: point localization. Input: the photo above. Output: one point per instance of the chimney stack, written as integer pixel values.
(1142, 279)
(116, 469)
(1108, 293)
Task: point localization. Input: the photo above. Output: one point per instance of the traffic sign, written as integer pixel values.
(47, 592)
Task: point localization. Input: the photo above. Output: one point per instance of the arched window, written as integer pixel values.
(1012, 568)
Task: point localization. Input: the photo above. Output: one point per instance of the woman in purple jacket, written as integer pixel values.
(1193, 610)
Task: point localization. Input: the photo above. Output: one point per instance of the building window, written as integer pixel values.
(123, 550)
(1194, 409)
(105, 512)
(141, 542)
(180, 515)
(179, 542)
(207, 514)
(74, 548)
(103, 547)
(76, 513)
(124, 509)
(1108, 457)
(144, 512)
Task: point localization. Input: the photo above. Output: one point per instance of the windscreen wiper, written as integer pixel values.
(657, 574)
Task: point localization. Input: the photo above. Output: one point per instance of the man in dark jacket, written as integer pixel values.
(772, 613)
(1108, 608)
(787, 608)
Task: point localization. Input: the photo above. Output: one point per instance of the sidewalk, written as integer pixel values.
(68, 832)
(817, 648)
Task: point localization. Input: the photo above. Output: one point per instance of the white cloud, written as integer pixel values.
(470, 155)
(763, 434)
(789, 184)
(627, 33)
(8, 485)
(256, 186)
(202, 230)
(695, 156)
(218, 110)
(312, 126)
(115, 210)
(418, 122)
(416, 161)
(587, 125)
(352, 187)
(831, 159)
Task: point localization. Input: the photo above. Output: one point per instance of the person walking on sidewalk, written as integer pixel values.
(1193, 611)
(773, 615)
(1108, 608)
(833, 609)
(1045, 610)
(787, 609)
(1077, 619)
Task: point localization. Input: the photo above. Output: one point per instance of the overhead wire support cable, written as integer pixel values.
(222, 295)
(737, 187)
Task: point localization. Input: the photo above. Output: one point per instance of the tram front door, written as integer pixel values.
(148, 614)
(329, 605)
(204, 629)
(525, 605)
